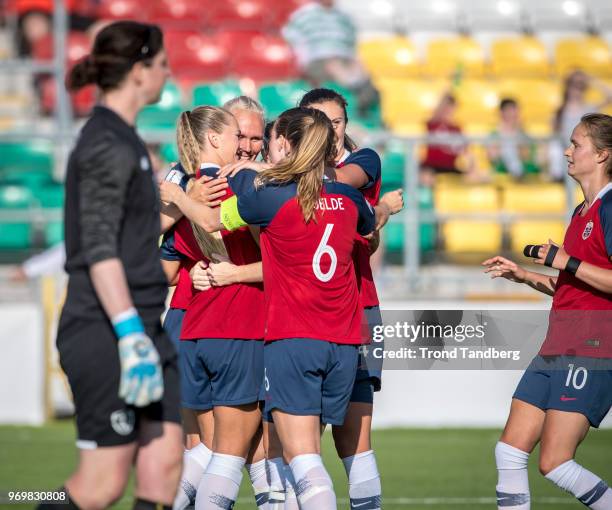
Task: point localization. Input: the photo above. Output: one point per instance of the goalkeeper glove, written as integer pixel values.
(141, 375)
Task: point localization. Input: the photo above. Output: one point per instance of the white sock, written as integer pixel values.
(276, 480)
(291, 502)
(587, 487)
(314, 488)
(195, 462)
(259, 481)
(512, 478)
(364, 481)
(219, 486)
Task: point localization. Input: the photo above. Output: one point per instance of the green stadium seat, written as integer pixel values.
(25, 177)
(14, 235)
(163, 114)
(215, 94)
(34, 155)
(50, 196)
(54, 233)
(393, 232)
(278, 97)
(393, 164)
(169, 152)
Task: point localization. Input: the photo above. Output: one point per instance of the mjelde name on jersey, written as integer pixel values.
(331, 204)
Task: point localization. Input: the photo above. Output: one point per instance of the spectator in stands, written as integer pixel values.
(513, 154)
(324, 41)
(441, 158)
(573, 107)
(34, 20)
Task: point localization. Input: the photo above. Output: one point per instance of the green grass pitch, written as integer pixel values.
(420, 469)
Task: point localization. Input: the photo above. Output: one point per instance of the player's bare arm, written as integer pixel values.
(597, 277)
(390, 203)
(171, 269)
(353, 175)
(197, 212)
(501, 267)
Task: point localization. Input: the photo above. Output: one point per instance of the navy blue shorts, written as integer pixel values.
(568, 383)
(369, 369)
(310, 377)
(173, 321)
(220, 372)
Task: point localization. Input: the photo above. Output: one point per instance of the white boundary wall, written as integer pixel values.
(22, 364)
(434, 398)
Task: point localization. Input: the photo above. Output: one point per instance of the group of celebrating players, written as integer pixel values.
(270, 261)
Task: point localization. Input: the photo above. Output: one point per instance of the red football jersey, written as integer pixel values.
(309, 279)
(232, 311)
(580, 321)
(183, 292)
(369, 161)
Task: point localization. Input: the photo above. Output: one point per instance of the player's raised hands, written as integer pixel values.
(222, 273)
(501, 267)
(233, 168)
(559, 257)
(199, 277)
(208, 190)
(394, 200)
(169, 192)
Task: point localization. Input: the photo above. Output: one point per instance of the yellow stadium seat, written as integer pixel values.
(596, 96)
(448, 56)
(523, 233)
(407, 104)
(538, 100)
(534, 198)
(481, 158)
(578, 196)
(461, 236)
(477, 103)
(519, 56)
(590, 54)
(538, 128)
(392, 57)
(466, 198)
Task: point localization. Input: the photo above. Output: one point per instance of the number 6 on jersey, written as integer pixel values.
(323, 249)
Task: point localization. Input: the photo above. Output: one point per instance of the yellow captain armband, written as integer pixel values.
(230, 217)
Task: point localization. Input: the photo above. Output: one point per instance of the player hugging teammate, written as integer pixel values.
(568, 386)
(303, 148)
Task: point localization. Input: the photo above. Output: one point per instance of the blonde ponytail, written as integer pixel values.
(191, 140)
(312, 140)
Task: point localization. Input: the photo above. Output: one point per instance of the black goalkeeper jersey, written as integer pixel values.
(112, 211)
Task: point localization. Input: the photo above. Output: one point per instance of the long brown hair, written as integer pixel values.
(313, 146)
(191, 132)
(318, 96)
(599, 129)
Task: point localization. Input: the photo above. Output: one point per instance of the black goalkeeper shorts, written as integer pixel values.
(89, 357)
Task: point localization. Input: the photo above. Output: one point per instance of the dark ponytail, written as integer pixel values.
(116, 49)
(318, 96)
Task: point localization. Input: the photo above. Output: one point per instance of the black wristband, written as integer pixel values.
(552, 252)
(572, 265)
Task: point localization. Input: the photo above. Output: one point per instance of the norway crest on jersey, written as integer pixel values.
(587, 230)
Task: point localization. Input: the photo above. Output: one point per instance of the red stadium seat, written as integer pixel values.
(240, 14)
(82, 100)
(123, 9)
(194, 56)
(179, 14)
(78, 45)
(259, 56)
